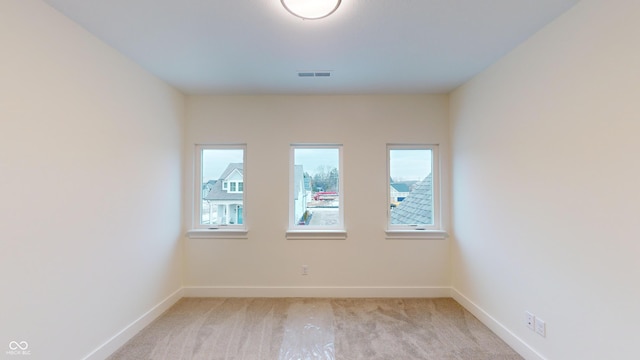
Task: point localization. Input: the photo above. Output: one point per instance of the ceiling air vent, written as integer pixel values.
(314, 74)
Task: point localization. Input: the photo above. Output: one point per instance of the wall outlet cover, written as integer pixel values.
(541, 327)
(530, 320)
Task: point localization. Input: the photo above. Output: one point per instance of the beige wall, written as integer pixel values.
(545, 149)
(90, 194)
(544, 180)
(268, 125)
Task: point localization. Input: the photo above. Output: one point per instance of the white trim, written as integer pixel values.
(124, 335)
(197, 196)
(502, 331)
(316, 234)
(416, 234)
(336, 292)
(436, 191)
(237, 185)
(218, 233)
(293, 226)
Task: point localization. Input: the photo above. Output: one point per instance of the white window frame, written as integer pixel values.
(417, 231)
(235, 184)
(225, 231)
(306, 232)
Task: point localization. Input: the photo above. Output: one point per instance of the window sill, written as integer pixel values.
(316, 234)
(416, 235)
(218, 234)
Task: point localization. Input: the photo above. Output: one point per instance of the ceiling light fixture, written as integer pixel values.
(311, 9)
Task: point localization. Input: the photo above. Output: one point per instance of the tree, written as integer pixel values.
(325, 178)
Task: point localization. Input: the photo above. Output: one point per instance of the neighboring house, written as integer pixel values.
(398, 192)
(417, 207)
(307, 184)
(302, 192)
(206, 187)
(225, 196)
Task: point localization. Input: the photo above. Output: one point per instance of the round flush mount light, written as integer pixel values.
(311, 9)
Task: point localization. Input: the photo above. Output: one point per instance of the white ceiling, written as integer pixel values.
(370, 46)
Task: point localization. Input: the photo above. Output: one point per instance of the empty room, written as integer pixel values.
(311, 179)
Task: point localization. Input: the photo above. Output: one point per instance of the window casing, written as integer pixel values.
(413, 188)
(316, 196)
(219, 201)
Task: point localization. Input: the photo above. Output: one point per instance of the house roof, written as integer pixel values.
(209, 184)
(417, 207)
(230, 168)
(216, 192)
(401, 187)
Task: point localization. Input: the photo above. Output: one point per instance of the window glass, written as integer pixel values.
(411, 186)
(316, 187)
(219, 202)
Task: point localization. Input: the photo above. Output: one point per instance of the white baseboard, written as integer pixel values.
(113, 344)
(321, 292)
(502, 331)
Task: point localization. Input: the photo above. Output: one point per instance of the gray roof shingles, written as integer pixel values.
(401, 187)
(417, 207)
(217, 193)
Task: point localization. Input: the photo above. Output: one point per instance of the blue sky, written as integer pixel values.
(215, 161)
(312, 159)
(407, 165)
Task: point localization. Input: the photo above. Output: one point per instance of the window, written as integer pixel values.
(316, 197)
(219, 198)
(413, 188)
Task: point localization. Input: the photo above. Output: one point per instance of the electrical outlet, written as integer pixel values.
(530, 319)
(305, 269)
(541, 328)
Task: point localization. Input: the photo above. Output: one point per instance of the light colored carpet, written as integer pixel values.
(316, 329)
